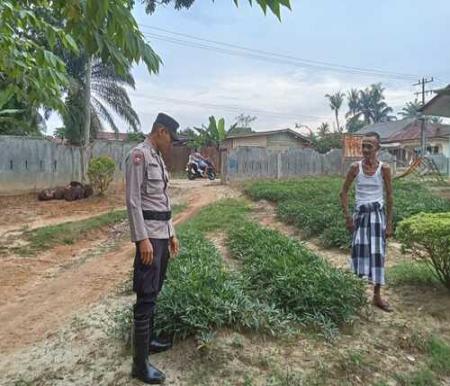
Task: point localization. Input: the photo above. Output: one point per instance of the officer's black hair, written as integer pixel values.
(157, 126)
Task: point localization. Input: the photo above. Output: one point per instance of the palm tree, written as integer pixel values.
(336, 101)
(367, 106)
(108, 96)
(410, 109)
(323, 129)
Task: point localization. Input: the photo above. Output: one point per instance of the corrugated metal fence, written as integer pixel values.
(251, 162)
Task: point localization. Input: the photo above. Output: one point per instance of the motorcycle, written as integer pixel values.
(193, 172)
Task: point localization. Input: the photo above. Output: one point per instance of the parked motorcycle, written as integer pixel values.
(193, 172)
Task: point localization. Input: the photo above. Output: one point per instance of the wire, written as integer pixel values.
(233, 49)
(230, 108)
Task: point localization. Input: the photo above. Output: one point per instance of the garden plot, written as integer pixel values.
(261, 321)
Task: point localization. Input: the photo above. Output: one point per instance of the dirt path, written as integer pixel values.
(34, 311)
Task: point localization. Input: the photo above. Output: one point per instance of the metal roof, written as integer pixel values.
(386, 129)
(439, 105)
(413, 132)
(269, 132)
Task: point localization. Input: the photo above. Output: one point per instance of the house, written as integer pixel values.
(439, 105)
(402, 138)
(271, 140)
(110, 136)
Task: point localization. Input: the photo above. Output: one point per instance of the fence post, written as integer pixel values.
(279, 166)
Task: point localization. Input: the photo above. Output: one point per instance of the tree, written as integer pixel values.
(273, 5)
(323, 129)
(336, 101)
(108, 89)
(411, 110)
(35, 73)
(213, 134)
(325, 140)
(242, 125)
(105, 29)
(367, 106)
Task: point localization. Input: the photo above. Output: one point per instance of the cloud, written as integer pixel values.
(278, 99)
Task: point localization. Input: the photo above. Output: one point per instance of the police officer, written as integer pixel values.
(149, 214)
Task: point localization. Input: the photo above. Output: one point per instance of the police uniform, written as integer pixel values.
(149, 214)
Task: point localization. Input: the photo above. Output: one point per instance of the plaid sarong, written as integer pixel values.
(369, 242)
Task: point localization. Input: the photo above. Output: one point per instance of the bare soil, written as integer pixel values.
(44, 292)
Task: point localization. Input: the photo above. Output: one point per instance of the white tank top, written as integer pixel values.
(369, 188)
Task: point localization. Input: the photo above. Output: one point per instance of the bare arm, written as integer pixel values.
(387, 177)
(351, 175)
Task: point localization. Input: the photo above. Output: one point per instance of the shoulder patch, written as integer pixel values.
(137, 156)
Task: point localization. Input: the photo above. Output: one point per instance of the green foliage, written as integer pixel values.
(273, 5)
(201, 295)
(367, 106)
(36, 75)
(411, 110)
(211, 135)
(423, 377)
(108, 92)
(67, 233)
(136, 137)
(313, 205)
(411, 273)
(326, 142)
(427, 236)
(439, 356)
(101, 172)
(285, 273)
(336, 101)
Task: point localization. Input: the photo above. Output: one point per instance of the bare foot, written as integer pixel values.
(382, 304)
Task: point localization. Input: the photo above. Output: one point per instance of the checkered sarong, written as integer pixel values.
(369, 243)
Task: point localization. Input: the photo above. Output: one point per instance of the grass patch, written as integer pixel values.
(439, 356)
(200, 295)
(424, 377)
(411, 273)
(67, 233)
(313, 205)
(224, 215)
(297, 281)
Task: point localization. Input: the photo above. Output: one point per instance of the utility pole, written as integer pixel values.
(423, 140)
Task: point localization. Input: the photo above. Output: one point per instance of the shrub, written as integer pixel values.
(101, 172)
(427, 237)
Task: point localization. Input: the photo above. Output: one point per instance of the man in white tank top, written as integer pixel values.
(370, 224)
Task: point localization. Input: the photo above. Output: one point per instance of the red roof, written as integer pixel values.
(412, 132)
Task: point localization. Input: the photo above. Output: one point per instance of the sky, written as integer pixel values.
(403, 40)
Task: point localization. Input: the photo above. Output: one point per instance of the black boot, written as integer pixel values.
(142, 369)
(156, 344)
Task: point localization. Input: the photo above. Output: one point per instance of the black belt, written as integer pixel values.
(158, 216)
